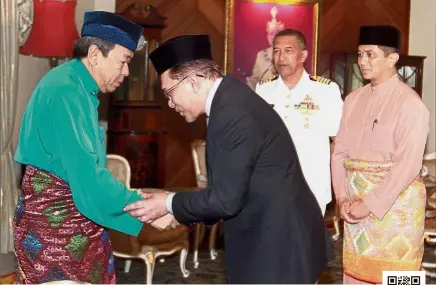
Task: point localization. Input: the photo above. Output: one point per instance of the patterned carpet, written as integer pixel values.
(213, 271)
(208, 272)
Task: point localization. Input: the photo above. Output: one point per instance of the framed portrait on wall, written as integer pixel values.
(251, 26)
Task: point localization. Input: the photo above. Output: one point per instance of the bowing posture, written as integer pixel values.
(274, 230)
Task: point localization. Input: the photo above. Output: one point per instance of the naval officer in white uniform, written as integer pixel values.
(310, 106)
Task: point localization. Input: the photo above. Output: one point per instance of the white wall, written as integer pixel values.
(92, 5)
(7, 263)
(30, 71)
(422, 41)
(104, 5)
(82, 7)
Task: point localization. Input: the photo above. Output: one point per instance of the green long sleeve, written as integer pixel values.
(60, 134)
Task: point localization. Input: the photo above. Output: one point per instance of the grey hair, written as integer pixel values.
(203, 67)
(81, 46)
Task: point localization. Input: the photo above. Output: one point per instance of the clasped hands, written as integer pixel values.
(353, 212)
(152, 210)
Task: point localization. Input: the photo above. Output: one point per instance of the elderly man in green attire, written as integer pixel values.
(68, 194)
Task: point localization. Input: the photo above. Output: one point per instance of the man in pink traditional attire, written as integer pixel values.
(376, 165)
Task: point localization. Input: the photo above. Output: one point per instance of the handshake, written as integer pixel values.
(152, 210)
(166, 222)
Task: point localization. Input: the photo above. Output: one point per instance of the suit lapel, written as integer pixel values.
(216, 102)
(220, 92)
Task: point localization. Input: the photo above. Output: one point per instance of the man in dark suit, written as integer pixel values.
(274, 229)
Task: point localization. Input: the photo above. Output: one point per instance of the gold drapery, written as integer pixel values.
(9, 45)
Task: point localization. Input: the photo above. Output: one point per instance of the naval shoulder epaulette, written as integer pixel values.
(268, 80)
(320, 79)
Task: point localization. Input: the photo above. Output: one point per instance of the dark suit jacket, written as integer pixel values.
(274, 229)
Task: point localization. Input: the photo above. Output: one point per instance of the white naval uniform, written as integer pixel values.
(312, 112)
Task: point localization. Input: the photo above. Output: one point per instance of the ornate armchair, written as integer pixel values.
(336, 223)
(150, 243)
(198, 148)
(428, 174)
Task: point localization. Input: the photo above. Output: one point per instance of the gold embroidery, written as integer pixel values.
(268, 80)
(371, 269)
(365, 254)
(320, 79)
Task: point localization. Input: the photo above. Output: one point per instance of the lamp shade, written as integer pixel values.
(53, 31)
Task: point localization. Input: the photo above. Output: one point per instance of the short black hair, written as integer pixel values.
(293, 32)
(81, 46)
(204, 67)
(389, 50)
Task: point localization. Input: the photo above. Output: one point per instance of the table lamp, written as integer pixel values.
(53, 31)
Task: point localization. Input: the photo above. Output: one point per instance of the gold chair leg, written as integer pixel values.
(426, 266)
(336, 221)
(199, 233)
(429, 267)
(183, 257)
(212, 239)
(127, 265)
(150, 262)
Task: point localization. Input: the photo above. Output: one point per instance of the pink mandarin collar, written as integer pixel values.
(386, 86)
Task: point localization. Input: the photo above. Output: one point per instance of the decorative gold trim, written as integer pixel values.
(282, 2)
(228, 48)
(371, 269)
(315, 40)
(229, 29)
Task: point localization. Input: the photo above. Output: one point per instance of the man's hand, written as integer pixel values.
(332, 145)
(358, 210)
(344, 209)
(165, 223)
(151, 208)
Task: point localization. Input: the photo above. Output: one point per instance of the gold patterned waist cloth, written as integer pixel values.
(391, 244)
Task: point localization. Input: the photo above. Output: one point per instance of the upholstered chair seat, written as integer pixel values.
(151, 243)
(198, 148)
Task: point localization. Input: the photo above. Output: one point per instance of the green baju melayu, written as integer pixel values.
(60, 134)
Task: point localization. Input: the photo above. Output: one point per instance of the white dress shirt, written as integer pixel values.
(312, 112)
(210, 96)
